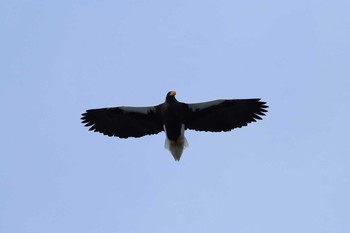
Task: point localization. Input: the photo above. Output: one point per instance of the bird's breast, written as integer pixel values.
(173, 119)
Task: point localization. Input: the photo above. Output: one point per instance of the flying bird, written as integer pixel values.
(174, 118)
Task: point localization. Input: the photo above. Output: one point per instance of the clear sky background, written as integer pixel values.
(288, 173)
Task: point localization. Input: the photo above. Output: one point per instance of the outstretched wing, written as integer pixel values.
(124, 122)
(223, 115)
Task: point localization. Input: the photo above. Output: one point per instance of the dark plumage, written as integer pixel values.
(174, 118)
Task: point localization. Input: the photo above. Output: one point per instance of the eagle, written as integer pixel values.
(174, 118)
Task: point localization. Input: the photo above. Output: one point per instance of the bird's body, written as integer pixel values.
(172, 115)
(174, 118)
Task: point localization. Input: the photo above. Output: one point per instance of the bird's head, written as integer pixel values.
(170, 96)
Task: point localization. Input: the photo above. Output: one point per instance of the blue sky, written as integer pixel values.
(287, 173)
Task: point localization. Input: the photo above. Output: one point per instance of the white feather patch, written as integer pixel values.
(176, 147)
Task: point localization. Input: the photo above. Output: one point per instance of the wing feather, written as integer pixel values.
(223, 115)
(123, 121)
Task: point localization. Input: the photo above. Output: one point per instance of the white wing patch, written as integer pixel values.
(200, 106)
(143, 110)
(176, 147)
